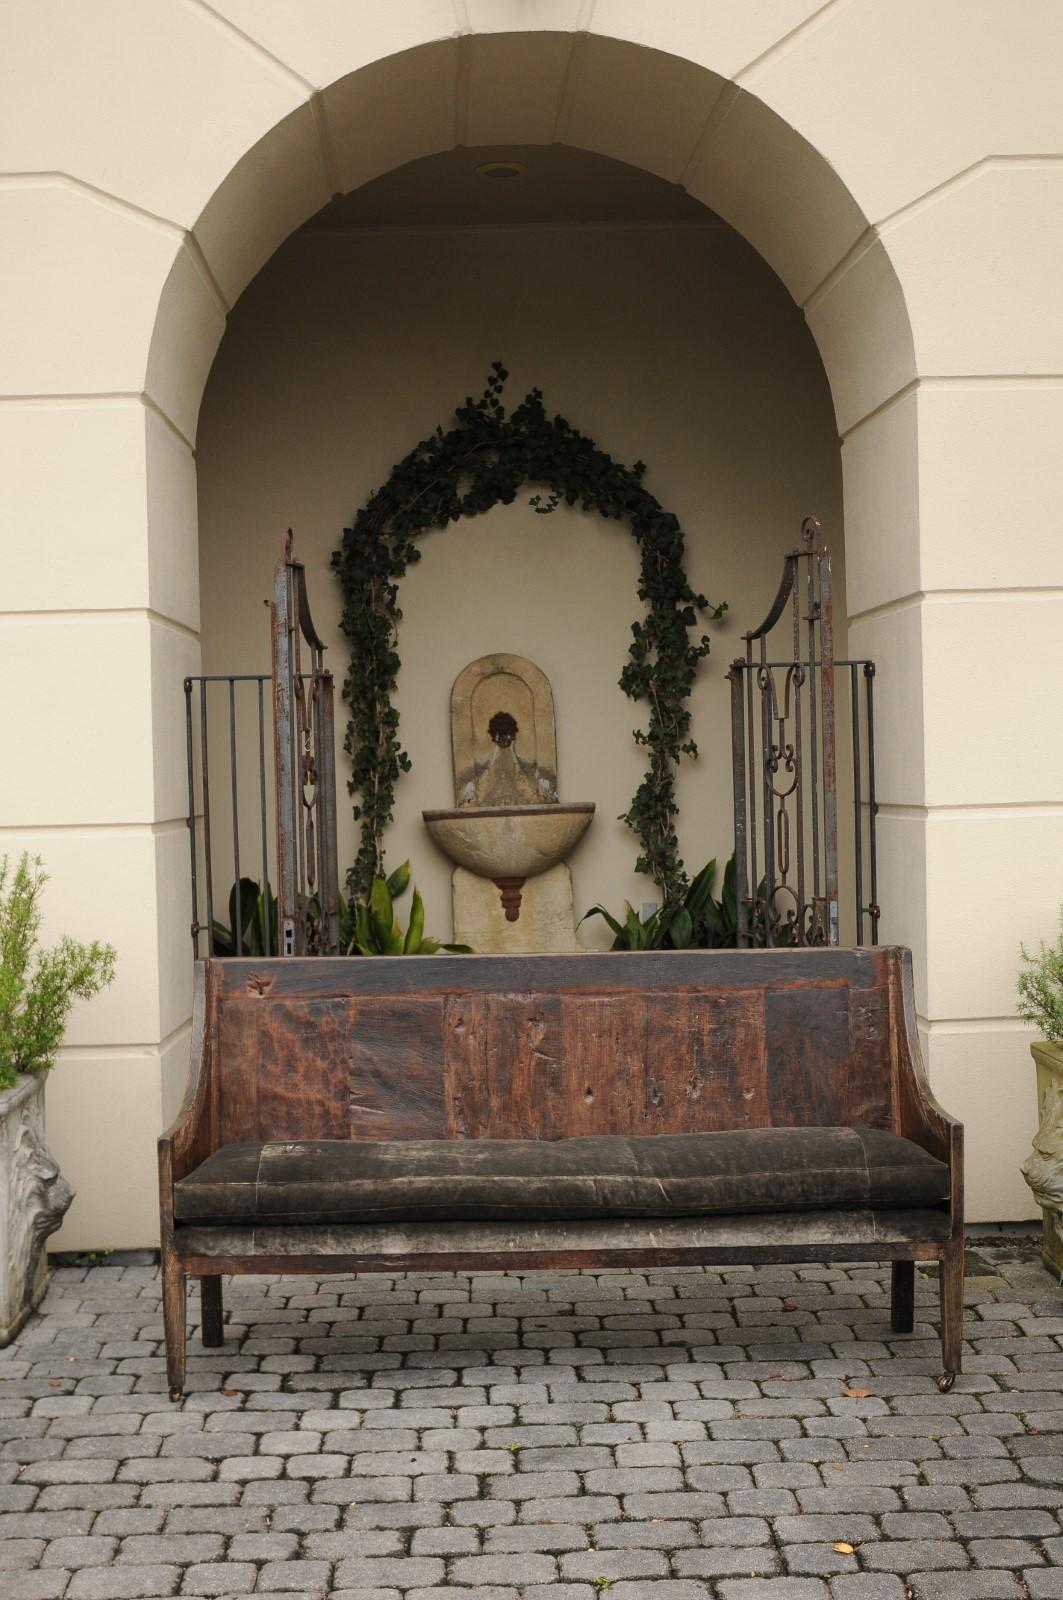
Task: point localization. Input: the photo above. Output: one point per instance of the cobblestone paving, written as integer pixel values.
(674, 1435)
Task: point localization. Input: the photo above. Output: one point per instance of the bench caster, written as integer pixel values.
(946, 1381)
(176, 1395)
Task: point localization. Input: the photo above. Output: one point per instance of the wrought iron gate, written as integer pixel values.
(298, 788)
(304, 741)
(784, 762)
(784, 731)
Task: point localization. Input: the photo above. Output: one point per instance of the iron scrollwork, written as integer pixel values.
(785, 766)
(304, 746)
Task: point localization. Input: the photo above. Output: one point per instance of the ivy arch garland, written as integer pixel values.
(481, 462)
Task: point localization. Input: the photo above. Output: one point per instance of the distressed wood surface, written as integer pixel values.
(890, 1232)
(236, 1024)
(681, 1043)
(309, 976)
(394, 1082)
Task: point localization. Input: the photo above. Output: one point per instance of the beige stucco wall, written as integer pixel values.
(897, 162)
(673, 344)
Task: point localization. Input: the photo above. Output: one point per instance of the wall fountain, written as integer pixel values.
(508, 834)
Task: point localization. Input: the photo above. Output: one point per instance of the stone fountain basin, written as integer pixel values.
(509, 841)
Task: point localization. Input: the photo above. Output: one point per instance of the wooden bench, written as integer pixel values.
(496, 1112)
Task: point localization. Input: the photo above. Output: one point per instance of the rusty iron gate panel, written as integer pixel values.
(784, 738)
(236, 692)
(305, 764)
(290, 709)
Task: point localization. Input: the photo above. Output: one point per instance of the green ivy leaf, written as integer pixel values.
(480, 462)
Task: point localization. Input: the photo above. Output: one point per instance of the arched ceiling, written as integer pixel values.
(557, 184)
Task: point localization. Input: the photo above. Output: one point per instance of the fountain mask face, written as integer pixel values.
(502, 729)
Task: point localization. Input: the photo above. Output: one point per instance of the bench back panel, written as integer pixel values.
(550, 1046)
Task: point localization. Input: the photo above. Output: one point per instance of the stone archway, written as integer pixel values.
(136, 232)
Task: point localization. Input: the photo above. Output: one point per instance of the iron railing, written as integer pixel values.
(201, 694)
(305, 762)
(291, 813)
(784, 739)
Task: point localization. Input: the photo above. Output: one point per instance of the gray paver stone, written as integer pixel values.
(126, 1583)
(80, 1551)
(867, 1586)
(774, 1589)
(219, 1578)
(1044, 1585)
(966, 1585)
(402, 1572)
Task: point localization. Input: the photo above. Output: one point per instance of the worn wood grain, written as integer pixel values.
(561, 1061)
(506, 1259)
(807, 1032)
(302, 1070)
(237, 1054)
(870, 1076)
(465, 1065)
(395, 1068)
(604, 1045)
(706, 1063)
(545, 1066)
(560, 1066)
(601, 972)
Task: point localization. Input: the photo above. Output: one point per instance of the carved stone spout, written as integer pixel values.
(510, 891)
(34, 1198)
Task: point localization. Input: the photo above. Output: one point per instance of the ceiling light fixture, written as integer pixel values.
(501, 169)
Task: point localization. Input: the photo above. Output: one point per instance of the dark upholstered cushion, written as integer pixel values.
(664, 1175)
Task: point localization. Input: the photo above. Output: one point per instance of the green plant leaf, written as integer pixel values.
(399, 881)
(729, 896)
(713, 923)
(249, 897)
(381, 913)
(700, 891)
(636, 933)
(38, 985)
(415, 931)
(700, 922)
(600, 911)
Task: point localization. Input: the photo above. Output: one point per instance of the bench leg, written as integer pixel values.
(950, 1280)
(902, 1297)
(174, 1323)
(212, 1332)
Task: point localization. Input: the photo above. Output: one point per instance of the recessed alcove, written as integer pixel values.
(651, 325)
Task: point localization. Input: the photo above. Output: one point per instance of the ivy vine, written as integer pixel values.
(481, 462)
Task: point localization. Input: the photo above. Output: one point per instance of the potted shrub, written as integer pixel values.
(37, 989)
(1040, 988)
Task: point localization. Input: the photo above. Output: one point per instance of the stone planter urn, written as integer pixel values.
(34, 1198)
(1043, 1167)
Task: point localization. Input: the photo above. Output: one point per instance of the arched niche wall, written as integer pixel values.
(903, 179)
(670, 114)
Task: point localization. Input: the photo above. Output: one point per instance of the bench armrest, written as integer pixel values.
(189, 1138)
(918, 1115)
